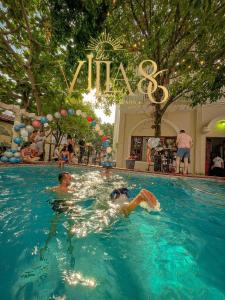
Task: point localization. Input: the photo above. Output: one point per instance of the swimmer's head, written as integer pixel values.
(65, 177)
(119, 193)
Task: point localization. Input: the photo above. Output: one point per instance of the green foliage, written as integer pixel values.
(30, 72)
(187, 38)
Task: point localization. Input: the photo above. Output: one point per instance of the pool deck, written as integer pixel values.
(214, 178)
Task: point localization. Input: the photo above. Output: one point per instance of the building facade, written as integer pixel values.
(206, 125)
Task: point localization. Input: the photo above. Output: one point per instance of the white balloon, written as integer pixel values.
(153, 142)
(46, 125)
(17, 154)
(84, 115)
(29, 128)
(57, 115)
(78, 112)
(97, 127)
(25, 139)
(24, 132)
(49, 117)
(8, 154)
(100, 132)
(108, 149)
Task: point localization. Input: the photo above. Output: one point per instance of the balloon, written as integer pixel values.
(97, 127)
(49, 117)
(17, 154)
(108, 149)
(78, 112)
(18, 159)
(23, 132)
(16, 128)
(71, 112)
(84, 115)
(46, 125)
(63, 113)
(13, 151)
(104, 138)
(153, 142)
(29, 128)
(13, 160)
(18, 140)
(57, 115)
(4, 159)
(8, 154)
(22, 125)
(44, 120)
(93, 123)
(100, 132)
(90, 119)
(105, 144)
(36, 124)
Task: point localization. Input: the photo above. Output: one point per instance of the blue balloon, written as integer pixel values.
(105, 144)
(71, 112)
(4, 159)
(43, 120)
(93, 123)
(17, 128)
(13, 160)
(13, 151)
(18, 159)
(22, 125)
(18, 140)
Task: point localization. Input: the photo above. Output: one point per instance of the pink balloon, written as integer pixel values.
(36, 124)
(63, 112)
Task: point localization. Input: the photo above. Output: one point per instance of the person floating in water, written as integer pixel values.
(144, 199)
(65, 179)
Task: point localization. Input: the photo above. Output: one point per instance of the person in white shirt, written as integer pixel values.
(217, 168)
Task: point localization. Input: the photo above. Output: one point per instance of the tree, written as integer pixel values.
(186, 38)
(76, 126)
(73, 23)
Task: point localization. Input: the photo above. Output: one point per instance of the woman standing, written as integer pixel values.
(70, 148)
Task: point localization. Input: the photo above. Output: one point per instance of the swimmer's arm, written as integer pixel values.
(51, 189)
(128, 208)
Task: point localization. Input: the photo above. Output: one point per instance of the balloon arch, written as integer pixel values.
(23, 131)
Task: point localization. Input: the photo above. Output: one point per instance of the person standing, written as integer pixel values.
(184, 144)
(218, 166)
(70, 148)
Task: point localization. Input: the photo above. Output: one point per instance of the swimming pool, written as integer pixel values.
(177, 253)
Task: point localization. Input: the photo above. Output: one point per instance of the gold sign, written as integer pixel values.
(148, 79)
(152, 84)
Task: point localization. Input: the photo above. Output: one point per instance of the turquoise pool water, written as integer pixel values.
(177, 253)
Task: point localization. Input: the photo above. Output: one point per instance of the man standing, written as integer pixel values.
(184, 144)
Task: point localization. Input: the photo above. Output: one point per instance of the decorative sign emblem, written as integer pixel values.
(147, 70)
(103, 44)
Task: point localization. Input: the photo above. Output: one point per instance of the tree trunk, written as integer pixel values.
(157, 120)
(35, 91)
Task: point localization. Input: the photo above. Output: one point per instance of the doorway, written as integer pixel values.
(214, 146)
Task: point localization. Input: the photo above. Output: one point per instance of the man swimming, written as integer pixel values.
(64, 183)
(144, 199)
